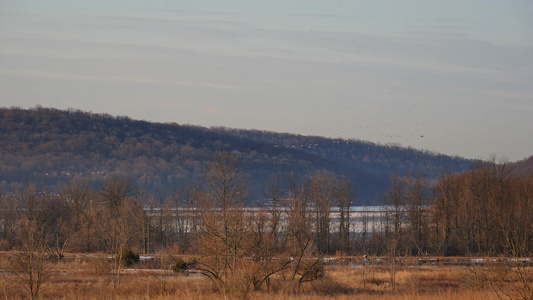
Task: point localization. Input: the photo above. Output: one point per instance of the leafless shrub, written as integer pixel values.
(31, 265)
(329, 287)
(512, 280)
(476, 278)
(99, 265)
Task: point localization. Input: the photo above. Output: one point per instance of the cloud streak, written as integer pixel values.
(116, 79)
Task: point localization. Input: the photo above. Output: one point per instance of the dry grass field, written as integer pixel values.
(90, 277)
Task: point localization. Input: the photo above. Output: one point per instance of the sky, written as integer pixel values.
(454, 77)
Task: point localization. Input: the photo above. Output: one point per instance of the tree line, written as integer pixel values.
(484, 211)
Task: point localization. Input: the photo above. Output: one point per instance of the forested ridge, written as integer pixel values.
(47, 146)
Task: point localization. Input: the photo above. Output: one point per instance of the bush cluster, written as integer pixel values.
(127, 257)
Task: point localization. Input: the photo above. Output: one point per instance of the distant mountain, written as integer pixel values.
(46, 146)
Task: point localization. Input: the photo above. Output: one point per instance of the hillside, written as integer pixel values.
(523, 166)
(46, 146)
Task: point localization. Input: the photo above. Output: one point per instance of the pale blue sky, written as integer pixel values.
(454, 77)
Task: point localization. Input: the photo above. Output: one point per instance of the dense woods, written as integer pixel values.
(47, 146)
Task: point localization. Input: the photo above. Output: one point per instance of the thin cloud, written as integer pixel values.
(117, 79)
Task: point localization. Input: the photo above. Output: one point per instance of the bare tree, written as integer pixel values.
(237, 246)
(221, 241)
(394, 199)
(143, 222)
(116, 221)
(301, 239)
(262, 250)
(9, 216)
(273, 192)
(115, 190)
(417, 195)
(444, 207)
(75, 198)
(345, 195)
(322, 185)
(30, 265)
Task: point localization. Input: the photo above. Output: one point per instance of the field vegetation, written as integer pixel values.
(81, 276)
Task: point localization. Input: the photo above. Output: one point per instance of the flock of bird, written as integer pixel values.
(331, 130)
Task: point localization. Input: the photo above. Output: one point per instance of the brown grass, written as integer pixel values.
(90, 278)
